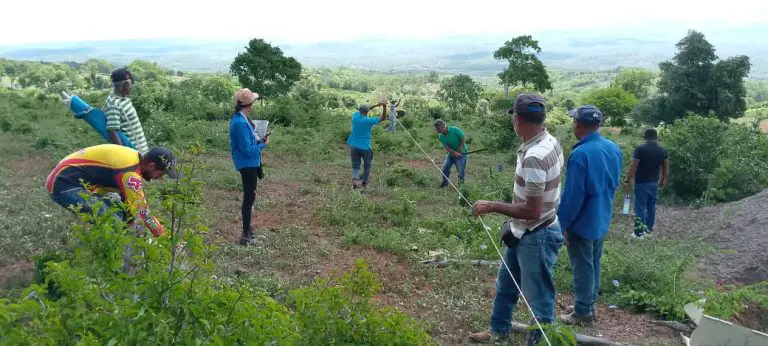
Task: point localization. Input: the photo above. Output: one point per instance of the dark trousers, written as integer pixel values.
(358, 155)
(249, 178)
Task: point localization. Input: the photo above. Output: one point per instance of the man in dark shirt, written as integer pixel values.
(648, 160)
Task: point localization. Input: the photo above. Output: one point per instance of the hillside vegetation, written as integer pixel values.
(332, 265)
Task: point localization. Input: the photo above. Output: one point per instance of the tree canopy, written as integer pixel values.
(615, 103)
(694, 82)
(525, 69)
(635, 81)
(265, 70)
(460, 90)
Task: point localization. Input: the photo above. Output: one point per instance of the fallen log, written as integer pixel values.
(581, 339)
(680, 327)
(446, 262)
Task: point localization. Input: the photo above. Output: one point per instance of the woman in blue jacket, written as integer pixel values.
(246, 155)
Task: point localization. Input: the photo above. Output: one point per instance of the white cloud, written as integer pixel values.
(25, 21)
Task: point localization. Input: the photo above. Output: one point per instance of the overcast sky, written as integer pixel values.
(41, 21)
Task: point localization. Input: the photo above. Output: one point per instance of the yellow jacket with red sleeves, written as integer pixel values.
(104, 168)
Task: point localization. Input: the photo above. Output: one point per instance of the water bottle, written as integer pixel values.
(626, 205)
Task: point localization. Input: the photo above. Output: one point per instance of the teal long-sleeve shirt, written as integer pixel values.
(593, 173)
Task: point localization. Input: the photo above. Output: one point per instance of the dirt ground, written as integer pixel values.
(738, 229)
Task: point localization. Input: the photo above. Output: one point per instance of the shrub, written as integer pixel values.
(693, 144)
(743, 167)
(173, 297)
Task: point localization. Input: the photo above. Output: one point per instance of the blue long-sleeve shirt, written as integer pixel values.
(593, 173)
(246, 150)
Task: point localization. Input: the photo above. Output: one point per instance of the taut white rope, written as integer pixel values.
(487, 231)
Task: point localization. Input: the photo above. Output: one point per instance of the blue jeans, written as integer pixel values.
(366, 156)
(531, 264)
(71, 196)
(646, 195)
(461, 165)
(586, 257)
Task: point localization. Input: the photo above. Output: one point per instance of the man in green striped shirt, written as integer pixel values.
(120, 114)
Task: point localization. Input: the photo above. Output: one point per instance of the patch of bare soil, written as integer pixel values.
(622, 326)
(737, 228)
(421, 164)
(753, 317)
(20, 272)
(289, 207)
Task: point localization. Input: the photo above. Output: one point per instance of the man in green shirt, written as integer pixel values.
(120, 114)
(454, 142)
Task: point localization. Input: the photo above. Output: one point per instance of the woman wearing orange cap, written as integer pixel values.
(246, 155)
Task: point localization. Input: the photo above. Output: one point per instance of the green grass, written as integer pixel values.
(403, 219)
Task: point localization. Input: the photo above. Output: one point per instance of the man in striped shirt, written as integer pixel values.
(533, 223)
(120, 114)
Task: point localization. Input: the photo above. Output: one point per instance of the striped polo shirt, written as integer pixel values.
(122, 116)
(539, 165)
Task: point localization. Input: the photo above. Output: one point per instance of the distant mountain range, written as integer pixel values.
(582, 50)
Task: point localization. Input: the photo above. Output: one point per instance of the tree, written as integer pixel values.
(615, 103)
(525, 69)
(458, 91)
(693, 82)
(635, 81)
(263, 69)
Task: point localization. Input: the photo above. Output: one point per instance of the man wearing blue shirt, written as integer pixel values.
(593, 174)
(359, 142)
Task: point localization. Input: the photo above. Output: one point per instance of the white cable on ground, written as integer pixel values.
(487, 231)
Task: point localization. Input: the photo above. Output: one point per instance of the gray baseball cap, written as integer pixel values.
(528, 102)
(363, 109)
(587, 114)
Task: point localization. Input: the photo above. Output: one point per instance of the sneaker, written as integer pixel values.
(443, 184)
(487, 337)
(572, 319)
(635, 236)
(354, 186)
(571, 309)
(247, 238)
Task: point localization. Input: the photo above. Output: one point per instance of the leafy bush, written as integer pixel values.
(173, 297)
(694, 145)
(743, 168)
(715, 161)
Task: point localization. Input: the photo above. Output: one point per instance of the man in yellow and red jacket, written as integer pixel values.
(105, 168)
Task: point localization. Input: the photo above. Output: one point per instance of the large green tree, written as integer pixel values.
(459, 91)
(615, 103)
(265, 70)
(695, 82)
(635, 81)
(525, 69)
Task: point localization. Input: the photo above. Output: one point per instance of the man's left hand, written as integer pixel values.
(482, 208)
(456, 154)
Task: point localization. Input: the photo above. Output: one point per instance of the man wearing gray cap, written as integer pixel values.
(532, 234)
(593, 173)
(359, 142)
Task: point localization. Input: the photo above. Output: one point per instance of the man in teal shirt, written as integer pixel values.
(454, 142)
(359, 142)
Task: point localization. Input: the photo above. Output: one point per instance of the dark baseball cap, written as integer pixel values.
(587, 114)
(528, 103)
(363, 109)
(122, 74)
(164, 159)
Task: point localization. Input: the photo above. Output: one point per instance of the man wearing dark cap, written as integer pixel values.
(649, 158)
(109, 168)
(120, 113)
(593, 174)
(359, 142)
(532, 234)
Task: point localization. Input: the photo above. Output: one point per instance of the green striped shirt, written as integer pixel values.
(122, 116)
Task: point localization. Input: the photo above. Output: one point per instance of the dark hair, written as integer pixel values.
(239, 106)
(535, 118)
(650, 135)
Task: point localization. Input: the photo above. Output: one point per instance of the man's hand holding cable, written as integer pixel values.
(482, 208)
